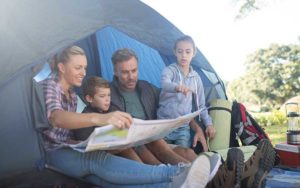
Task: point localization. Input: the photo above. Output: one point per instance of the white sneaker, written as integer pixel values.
(198, 174)
(215, 162)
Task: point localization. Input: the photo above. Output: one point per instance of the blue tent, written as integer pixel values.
(32, 31)
(151, 61)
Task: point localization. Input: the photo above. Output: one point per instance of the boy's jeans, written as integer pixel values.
(109, 170)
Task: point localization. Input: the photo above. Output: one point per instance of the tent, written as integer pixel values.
(293, 105)
(32, 31)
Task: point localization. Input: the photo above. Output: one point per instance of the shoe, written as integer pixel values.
(198, 173)
(229, 174)
(258, 165)
(215, 162)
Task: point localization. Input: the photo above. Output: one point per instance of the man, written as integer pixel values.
(126, 97)
(140, 99)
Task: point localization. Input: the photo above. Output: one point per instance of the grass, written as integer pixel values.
(277, 133)
(274, 123)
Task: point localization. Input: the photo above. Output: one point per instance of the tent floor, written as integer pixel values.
(42, 179)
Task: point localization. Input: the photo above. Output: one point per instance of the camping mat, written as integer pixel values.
(220, 112)
(279, 177)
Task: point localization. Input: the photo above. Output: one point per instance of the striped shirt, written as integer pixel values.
(56, 99)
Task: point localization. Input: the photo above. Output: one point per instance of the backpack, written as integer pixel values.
(244, 127)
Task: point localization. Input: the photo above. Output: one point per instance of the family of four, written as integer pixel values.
(167, 162)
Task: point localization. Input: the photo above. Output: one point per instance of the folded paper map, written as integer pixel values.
(140, 132)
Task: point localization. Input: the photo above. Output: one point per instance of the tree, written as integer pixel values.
(245, 7)
(272, 75)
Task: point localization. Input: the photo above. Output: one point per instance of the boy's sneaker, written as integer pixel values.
(215, 163)
(198, 173)
(258, 165)
(229, 174)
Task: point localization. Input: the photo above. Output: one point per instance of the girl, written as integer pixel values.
(179, 84)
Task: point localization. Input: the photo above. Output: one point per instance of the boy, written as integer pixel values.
(96, 92)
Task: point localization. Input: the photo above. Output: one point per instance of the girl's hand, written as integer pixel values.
(199, 136)
(183, 89)
(210, 131)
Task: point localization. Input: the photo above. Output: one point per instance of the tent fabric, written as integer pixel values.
(150, 62)
(32, 31)
(19, 142)
(89, 45)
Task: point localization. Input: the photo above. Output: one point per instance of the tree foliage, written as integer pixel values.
(272, 76)
(245, 7)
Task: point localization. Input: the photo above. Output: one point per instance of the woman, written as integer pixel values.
(100, 167)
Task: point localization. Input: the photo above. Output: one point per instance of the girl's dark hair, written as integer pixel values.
(185, 38)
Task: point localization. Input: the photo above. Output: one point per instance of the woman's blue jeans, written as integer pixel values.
(102, 168)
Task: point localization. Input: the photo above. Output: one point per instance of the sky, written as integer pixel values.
(226, 41)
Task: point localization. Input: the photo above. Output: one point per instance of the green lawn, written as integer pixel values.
(276, 133)
(274, 123)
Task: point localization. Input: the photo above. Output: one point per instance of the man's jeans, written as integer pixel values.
(102, 168)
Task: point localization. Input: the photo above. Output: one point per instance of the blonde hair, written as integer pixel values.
(64, 56)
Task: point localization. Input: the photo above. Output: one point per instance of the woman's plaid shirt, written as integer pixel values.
(56, 100)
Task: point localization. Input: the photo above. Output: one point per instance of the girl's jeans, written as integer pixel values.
(102, 168)
(180, 137)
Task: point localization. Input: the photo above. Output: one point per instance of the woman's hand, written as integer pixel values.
(119, 119)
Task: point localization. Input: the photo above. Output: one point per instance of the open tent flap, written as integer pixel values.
(110, 39)
(100, 46)
(151, 61)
